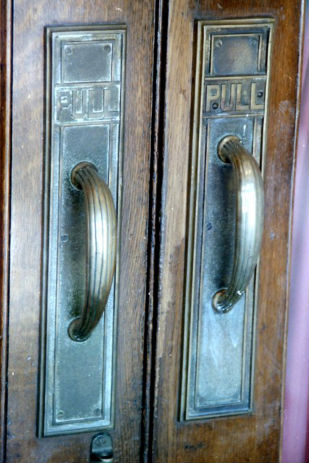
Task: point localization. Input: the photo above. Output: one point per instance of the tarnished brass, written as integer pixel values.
(85, 69)
(102, 448)
(232, 67)
(249, 190)
(101, 248)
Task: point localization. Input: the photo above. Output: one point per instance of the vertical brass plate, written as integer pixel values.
(84, 122)
(231, 91)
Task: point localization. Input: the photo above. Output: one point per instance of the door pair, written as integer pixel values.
(132, 335)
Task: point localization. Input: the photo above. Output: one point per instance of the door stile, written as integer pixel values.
(5, 167)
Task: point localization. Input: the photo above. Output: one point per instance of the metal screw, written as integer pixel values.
(215, 106)
(260, 94)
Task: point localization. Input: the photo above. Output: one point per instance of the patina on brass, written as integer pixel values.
(85, 69)
(101, 248)
(225, 216)
(102, 448)
(249, 190)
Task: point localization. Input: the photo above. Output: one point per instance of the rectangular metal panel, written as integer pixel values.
(84, 122)
(231, 90)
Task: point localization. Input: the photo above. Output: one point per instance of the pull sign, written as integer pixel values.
(231, 92)
(84, 123)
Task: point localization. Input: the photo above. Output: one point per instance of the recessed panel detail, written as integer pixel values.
(231, 92)
(84, 122)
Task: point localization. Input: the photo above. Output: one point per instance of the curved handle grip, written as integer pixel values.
(249, 220)
(101, 248)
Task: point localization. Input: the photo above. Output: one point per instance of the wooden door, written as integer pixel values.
(163, 224)
(31, 24)
(192, 422)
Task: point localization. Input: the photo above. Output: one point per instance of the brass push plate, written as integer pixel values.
(231, 93)
(84, 122)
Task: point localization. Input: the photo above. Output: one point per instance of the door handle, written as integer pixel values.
(248, 184)
(100, 248)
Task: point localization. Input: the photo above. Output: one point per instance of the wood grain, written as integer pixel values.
(5, 128)
(29, 21)
(255, 437)
(243, 439)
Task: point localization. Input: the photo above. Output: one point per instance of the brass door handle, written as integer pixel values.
(100, 248)
(249, 189)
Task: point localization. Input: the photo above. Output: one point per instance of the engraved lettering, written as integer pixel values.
(253, 103)
(228, 106)
(95, 102)
(239, 105)
(64, 100)
(212, 95)
(235, 96)
(111, 98)
(77, 103)
(88, 103)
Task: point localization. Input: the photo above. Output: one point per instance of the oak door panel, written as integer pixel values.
(29, 20)
(253, 436)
